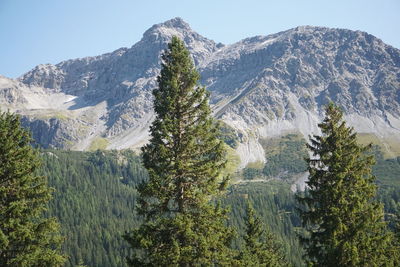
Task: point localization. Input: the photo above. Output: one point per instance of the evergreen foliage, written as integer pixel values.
(94, 199)
(345, 224)
(387, 170)
(260, 245)
(26, 237)
(95, 195)
(396, 240)
(390, 196)
(284, 156)
(274, 204)
(184, 159)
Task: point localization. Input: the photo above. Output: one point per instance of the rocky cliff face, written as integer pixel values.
(262, 86)
(265, 86)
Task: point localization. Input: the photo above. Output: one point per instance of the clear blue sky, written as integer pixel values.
(49, 31)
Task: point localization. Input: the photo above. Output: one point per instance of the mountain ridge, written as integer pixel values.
(261, 86)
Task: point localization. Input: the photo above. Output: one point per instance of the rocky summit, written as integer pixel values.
(262, 87)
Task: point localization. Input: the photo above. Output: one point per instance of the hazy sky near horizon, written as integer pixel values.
(48, 31)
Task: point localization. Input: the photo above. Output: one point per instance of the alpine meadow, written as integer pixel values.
(278, 150)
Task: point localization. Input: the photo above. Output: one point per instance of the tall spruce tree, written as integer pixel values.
(260, 246)
(344, 222)
(26, 238)
(183, 224)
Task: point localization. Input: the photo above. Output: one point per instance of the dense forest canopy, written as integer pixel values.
(95, 197)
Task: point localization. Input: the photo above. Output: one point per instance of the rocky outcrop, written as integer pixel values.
(265, 86)
(51, 132)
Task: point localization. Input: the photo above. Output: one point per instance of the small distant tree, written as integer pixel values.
(26, 237)
(344, 221)
(184, 158)
(260, 245)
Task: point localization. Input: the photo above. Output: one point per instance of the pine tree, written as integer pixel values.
(183, 224)
(261, 247)
(26, 238)
(345, 224)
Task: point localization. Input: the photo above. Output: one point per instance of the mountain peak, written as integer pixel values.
(160, 34)
(175, 23)
(175, 26)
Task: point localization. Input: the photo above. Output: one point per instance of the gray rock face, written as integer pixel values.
(354, 69)
(261, 86)
(52, 132)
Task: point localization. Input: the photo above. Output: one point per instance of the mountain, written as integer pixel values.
(262, 87)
